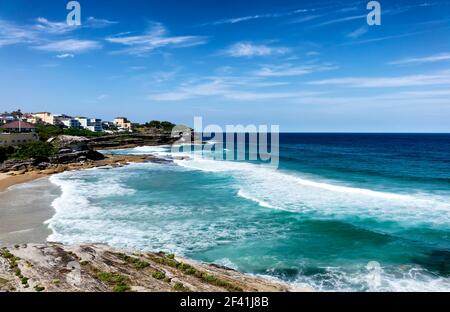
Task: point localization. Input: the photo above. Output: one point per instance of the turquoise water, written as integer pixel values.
(335, 204)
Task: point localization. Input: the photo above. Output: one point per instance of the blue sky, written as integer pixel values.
(304, 65)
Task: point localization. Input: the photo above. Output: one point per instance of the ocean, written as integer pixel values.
(343, 212)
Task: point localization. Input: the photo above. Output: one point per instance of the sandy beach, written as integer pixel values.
(7, 180)
(24, 208)
(25, 199)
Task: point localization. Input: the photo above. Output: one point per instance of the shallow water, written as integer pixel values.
(336, 204)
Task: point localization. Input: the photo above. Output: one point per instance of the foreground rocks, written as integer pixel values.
(99, 268)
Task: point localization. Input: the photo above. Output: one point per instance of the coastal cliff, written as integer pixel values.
(98, 268)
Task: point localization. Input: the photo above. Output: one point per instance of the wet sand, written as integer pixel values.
(23, 210)
(7, 180)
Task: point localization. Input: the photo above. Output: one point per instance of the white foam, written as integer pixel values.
(273, 188)
(262, 203)
(398, 279)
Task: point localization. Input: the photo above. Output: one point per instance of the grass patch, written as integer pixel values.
(121, 288)
(162, 259)
(180, 287)
(39, 288)
(136, 262)
(159, 275)
(118, 281)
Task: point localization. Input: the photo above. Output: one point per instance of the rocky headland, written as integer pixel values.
(54, 267)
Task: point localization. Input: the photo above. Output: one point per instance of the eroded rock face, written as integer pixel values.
(99, 268)
(69, 142)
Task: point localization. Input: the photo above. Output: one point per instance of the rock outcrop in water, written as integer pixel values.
(99, 268)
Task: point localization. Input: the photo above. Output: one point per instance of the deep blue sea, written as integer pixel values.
(342, 212)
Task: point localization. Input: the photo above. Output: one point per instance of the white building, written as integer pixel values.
(92, 124)
(70, 123)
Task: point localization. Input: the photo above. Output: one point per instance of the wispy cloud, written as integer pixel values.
(11, 34)
(157, 37)
(44, 25)
(235, 88)
(249, 49)
(358, 32)
(49, 36)
(305, 19)
(438, 78)
(70, 45)
(286, 70)
(65, 55)
(340, 20)
(93, 22)
(422, 60)
(240, 19)
(378, 39)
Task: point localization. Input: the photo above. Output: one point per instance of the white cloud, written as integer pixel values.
(358, 32)
(11, 34)
(157, 37)
(102, 97)
(422, 60)
(340, 20)
(286, 70)
(224, 88)
(439, 78)
(248, 49)
(93, 22)
(44, 25)
(65, 55)
(236, 20)
(70, 46)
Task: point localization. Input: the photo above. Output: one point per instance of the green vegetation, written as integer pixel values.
(115, 279)
(82, 132)
(37, 150)
(136, 262)
(187, 269)
(121, 288)
(45, 131)
(6, 152)
(163, 260)
(39, 288)
(159, 275)
(159, 125)
(180, 287)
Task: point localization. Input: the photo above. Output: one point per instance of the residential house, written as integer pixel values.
(17, 132)
(45, 117)
(123, 124)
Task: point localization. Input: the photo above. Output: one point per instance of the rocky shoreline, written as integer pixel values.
(54, 267)
(74, 153)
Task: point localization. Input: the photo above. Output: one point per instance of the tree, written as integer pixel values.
(153, 124)
(36, 150)
(45, 132)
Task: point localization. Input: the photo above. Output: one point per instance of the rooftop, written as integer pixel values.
(18, 124)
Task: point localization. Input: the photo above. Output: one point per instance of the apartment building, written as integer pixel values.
(123, 123)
